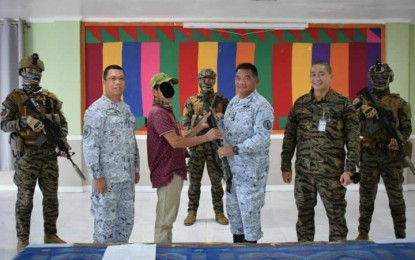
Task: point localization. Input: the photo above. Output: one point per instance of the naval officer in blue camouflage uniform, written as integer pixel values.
(247, 127)
(111, 155)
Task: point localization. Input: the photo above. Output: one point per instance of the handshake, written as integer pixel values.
(34, 124)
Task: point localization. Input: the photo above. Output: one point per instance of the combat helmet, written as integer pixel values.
(206, 78)
(31, 61)
(206, 73)
(31, 79)
(381, 75)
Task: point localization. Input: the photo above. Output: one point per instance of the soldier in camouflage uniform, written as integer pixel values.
(320, 125)
(35, 161)
(380, 153)
(205, 152)
(111, 155)
(247, 127)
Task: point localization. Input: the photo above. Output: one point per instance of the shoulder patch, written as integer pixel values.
(267, 124)
(4, 111)
(87, 132)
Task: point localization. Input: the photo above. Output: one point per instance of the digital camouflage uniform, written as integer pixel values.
(204, 153)
(248, 125)
(379, 161)
(110, 152)
(34, 163)
(321, 159)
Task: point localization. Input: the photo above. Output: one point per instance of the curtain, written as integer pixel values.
(11, 51)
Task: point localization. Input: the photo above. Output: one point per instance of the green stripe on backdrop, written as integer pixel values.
(169, 57)
(263, 61)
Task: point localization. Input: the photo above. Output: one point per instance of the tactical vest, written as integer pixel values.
(197, 106)
(390, 103)
(46, 102)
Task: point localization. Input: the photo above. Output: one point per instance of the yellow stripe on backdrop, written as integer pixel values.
(301, 63)
(339, 61)
(111, 54)
(208, 58)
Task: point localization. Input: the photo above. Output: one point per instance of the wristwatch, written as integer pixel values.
(235, 150)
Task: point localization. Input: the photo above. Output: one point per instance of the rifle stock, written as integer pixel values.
(51, 134)
(213, 124)
(383, 119)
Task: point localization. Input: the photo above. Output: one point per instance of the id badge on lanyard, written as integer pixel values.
(322, 123)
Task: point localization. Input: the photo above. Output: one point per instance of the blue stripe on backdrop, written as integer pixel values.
(131, 59)
(226, 68)
(373, 53)
(321, 52)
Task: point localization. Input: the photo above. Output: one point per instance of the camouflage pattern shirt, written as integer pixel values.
(320, 130)
(14, 108)
(396, 110)
(109, 144)
(193, 108)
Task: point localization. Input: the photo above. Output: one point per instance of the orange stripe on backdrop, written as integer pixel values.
(301, 63)
(208, 57)
(339, 61)
(111, 54)
(245, 52)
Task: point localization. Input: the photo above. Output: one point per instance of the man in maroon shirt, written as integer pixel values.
(166, 153)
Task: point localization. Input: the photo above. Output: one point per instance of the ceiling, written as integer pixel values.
(309, 11)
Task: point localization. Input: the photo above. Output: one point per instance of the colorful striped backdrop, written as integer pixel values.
(283, 58)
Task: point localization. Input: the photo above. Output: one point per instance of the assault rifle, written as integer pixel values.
(51, 134)
(213, 124)
(385, 123)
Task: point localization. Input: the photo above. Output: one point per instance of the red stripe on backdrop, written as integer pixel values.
(93, 64)
(357, 64)
(188, 57)
(281, 80)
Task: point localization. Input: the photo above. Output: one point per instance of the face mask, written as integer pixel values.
(167, 89)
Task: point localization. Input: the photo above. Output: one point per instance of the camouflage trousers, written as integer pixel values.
(332, 194)
(372, 167)
(36, 165)
(113, 213)
(200, 155)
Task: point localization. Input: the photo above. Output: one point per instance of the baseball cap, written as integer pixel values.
(161, 77)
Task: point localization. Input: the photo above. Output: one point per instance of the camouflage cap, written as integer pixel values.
(161, 77)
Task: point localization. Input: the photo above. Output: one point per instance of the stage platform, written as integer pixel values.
(396, 249)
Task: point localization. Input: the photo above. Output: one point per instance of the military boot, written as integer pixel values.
(238, 238)
(53, 239)
(190, 219)
(21, 244)
(363, 236)
(221, 219)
